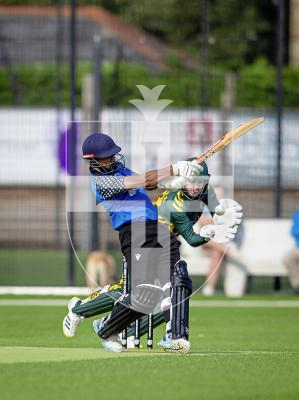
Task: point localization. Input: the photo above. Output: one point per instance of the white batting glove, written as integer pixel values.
(173, 183)
(186, 169)
(229, 213)
(219, 233)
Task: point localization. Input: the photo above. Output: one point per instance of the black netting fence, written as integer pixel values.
(35, 48)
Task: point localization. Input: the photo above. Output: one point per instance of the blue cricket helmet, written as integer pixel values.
(99, 145)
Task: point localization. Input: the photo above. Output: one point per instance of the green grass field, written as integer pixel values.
(237, 353)
(42, 267)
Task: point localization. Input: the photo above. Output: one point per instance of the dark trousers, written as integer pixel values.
(150, 250)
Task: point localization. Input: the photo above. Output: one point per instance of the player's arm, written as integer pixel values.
(109, 186)
(217, 233)
(150, 179)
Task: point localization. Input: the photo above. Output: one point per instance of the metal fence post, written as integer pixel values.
(96, 126)
(72, 150)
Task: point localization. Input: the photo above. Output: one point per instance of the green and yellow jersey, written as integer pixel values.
(179, 213)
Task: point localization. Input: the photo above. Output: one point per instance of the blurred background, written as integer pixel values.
(81, 60)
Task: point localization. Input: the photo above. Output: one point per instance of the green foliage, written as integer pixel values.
(255, 85)
(36, 84)
(235, 31)
(235, 34)
(6, 97)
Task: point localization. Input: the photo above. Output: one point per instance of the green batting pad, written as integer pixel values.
(102, 303)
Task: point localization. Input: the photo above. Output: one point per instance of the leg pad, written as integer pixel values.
(181, 291)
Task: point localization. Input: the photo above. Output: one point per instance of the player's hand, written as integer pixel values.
(219, 233)
(173, 183)
(186, 169)
(229, 213)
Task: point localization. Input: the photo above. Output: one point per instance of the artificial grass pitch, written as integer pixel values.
(237, 353)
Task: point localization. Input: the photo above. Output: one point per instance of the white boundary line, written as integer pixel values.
(193, 303)
(45, 290)
(245, 303)
(33, 302)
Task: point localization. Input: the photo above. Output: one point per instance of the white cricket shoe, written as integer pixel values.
(180, 346)
(71, 320)
(113, 342)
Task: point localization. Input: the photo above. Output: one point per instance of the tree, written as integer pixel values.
(234, 28)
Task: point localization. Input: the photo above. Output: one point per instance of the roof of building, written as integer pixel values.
(29, 33)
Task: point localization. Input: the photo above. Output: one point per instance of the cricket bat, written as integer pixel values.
(229, 137)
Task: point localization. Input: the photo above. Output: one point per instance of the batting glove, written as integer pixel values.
(173, 183)
(219, 233)
(229, 213)
(186, 169)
